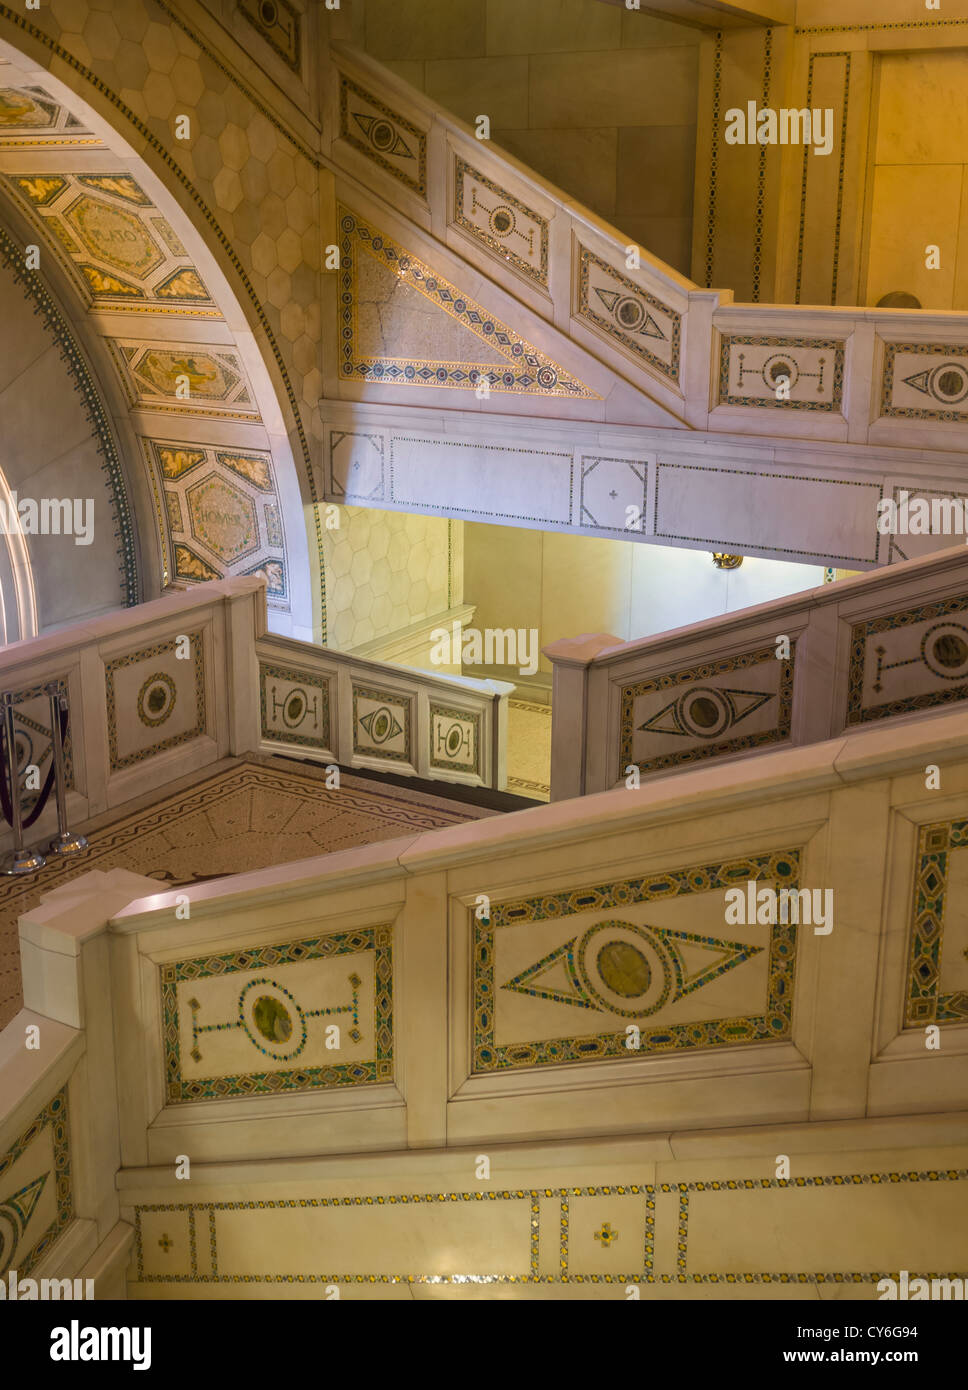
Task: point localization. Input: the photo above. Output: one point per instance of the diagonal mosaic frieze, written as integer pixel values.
(403, 324)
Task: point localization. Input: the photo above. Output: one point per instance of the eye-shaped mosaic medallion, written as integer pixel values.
(925, 381)
(381, 724)
(628, 314)
(704, 712)
(663, 726)
(383, 135)
(617, 967)
(947, 383)
(650, 949)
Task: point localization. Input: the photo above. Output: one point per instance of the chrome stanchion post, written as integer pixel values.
(21, 861)
(66, 841)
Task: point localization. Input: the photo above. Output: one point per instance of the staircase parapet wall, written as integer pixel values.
(158, 691)
(834, 373)
(878, 647)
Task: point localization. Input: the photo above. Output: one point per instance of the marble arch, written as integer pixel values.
(193, 389)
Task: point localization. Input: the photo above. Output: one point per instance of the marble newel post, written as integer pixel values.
(571, 657)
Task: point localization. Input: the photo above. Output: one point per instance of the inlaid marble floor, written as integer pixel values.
(247, 814)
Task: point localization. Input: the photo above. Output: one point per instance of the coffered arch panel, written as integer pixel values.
(216, 467)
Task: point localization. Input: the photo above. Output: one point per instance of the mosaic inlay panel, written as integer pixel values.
(455, 739)
(189, 380)
(389, 335)
(382, 723)
(628, 314)
(609, 486)
(279, 24)
(911, 545)
(357, 465)
(937, 971)
(786, 373)
(383, 135)
(36, 1192)
(295, 706)
(650, 952)
(501, 222)
(706, 711)
(297, 1016)
(31, 118)
(32, 736)
(913, 659)
(220, 520)
(155, 700)
(118, 251)
(614, 1233)
(925, 381)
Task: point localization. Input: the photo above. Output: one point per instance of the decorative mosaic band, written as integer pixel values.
(925, 1003)
(620, 1218)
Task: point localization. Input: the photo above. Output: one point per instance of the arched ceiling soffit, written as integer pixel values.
(59, 439)
(185, 368)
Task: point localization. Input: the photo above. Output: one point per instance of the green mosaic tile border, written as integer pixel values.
(540, 274)
(401, 127)
(800, 1277)
(834, 345)
(54, 1114)
(670, 680)
(465, 717)
(377, 1069)
(130, 659)
(957, 350)
(923, 1002)
(569, 1199)
(393, 699)
(857, 713)
(781, 867)
(670, 369)
(316, 682)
